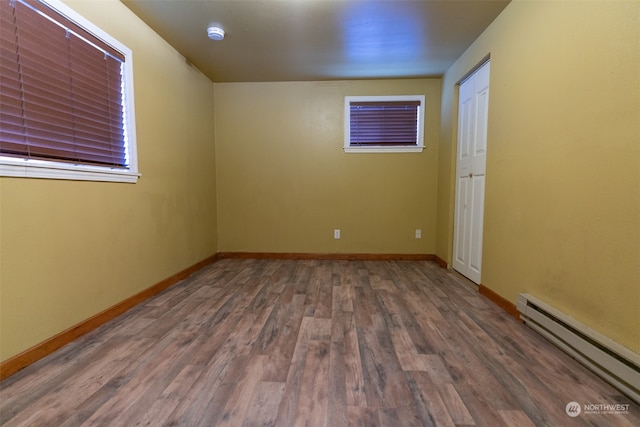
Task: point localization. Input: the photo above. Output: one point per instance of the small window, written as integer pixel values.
(382, 124)
(67, 96)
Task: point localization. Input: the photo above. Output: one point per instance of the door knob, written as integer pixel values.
(470, 175)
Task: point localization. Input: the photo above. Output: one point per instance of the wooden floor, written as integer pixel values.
(311, 343)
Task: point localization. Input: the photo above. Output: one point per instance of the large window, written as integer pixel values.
(66, 91)
(384, 123)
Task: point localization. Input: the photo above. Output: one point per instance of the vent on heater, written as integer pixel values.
(614, 363)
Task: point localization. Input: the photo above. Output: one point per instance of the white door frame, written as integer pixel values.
(471, 155)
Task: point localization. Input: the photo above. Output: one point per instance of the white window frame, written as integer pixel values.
(32, 168)
(419, 147)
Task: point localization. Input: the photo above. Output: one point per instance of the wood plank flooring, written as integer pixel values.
(311, 343)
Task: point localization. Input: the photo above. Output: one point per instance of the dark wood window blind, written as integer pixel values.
(61, 89)
(384, 123)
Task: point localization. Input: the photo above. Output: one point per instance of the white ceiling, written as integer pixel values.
(298, 40)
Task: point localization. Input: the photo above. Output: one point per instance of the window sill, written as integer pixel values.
(383, 149)
(49, 170)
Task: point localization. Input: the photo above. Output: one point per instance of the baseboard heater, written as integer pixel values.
(614, 363)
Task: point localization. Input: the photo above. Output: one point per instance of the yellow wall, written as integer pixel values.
(562, 213)
(285, 183)
(70, 249)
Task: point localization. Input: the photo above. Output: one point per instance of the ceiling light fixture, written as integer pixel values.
(215, 33)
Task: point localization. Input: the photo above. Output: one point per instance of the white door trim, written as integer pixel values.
(471, 155)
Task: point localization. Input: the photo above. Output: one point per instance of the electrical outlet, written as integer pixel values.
(336, 233)
(418, 233)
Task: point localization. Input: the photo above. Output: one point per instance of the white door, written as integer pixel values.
(470, 173)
